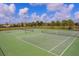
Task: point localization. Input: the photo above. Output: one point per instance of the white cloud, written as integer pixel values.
(62, 11)
(34, 17)
(2, 16)
(3, 11)
(12, 8)
(36, 4)
(3, 8)
(60, 16)
(60, 7)
(76, 16)
(44, 17)
(54, 6)
(71, 6)
(23, 11)
(67, 8)
(6, 11)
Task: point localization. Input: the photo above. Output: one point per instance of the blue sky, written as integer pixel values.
(38, 11)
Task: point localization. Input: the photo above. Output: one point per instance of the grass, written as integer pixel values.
(36, 43)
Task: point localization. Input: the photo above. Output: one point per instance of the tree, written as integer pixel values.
(41, 23)
(37, 23)
(58, 23)
(64, 23)
(70, 23)
(53, 23)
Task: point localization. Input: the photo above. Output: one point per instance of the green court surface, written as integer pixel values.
(39, 42)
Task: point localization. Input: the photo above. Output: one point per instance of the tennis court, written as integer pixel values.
(39, 42)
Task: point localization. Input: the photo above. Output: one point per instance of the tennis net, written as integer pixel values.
(63, 33)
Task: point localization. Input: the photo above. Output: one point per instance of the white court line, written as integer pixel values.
(68, 46)
(59, 44)
(38, 47)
